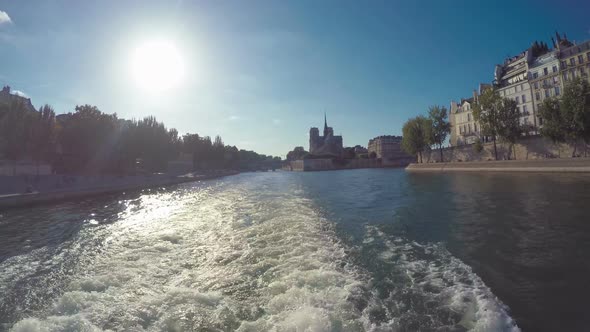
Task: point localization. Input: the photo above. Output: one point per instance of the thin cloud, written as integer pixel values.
(234, 118)
(19, 93)
(4, 18)
(276, 121)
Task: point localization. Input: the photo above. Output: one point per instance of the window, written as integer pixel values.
(537, 96)
(582, 71)
(557, 92)
(580, 58)
(469, 127)
(468, 117)
(540, 121)
(535, 75)
(555, 80)
(573, 74)
(563, 64)
(517, 100)
(547, 94)
(545, 71)
(475, 127)
(536, 85)
(525, 121)
(545, 82)
(524, 110)
(555, 69)
(516, 88)
(464, 128)
(518, 109)
(523, 99)
(573, 61)
(565, 77)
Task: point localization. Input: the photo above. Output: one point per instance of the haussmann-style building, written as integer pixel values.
(388, 148)
(464, 128)
(528, 78)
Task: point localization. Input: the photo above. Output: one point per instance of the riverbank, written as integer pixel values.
(107, 187)
(570, 165)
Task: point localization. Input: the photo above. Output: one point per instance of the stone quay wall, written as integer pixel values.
(558, 166)
(310, 165)
(527, 148)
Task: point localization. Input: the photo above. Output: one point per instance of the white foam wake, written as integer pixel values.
(256, 255)
(428, 288)
(221, 258)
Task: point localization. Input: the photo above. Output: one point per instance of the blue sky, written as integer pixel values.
(260, 73)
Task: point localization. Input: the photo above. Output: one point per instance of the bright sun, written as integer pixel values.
(157, 66)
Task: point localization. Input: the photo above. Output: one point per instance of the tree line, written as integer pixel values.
(89, 141)
(565, 120)
(421, 132)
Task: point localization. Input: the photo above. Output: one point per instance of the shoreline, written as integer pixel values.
(569, 165)
(35, 198)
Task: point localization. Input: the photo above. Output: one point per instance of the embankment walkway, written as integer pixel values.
(126, 184)
(562, 165)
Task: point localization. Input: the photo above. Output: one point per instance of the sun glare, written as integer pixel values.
(157, 66)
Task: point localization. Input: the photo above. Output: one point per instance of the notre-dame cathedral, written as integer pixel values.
(327, 144)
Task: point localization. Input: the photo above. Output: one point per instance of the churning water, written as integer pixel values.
(333, 251)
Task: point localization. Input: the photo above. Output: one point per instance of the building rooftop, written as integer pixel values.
(9, 96)
(572, 50)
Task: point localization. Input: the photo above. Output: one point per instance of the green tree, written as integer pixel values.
(498, 117)
(510, 127)
(296, 154)
(88, 138)
(44, 136)
(553, 124)
(16, 128)
(417, 136)
(575, 112)
(478, 146)
(441, 127)
(568, 120)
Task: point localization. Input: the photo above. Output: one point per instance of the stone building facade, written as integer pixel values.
(329, 144)
(545, 80)
(389, 149)
(528, 78)
(464, 128)
(575, 62)
(511, 81)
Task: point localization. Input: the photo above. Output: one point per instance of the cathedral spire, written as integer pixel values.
(325, 122)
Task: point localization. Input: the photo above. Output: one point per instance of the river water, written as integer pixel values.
(361, 250)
